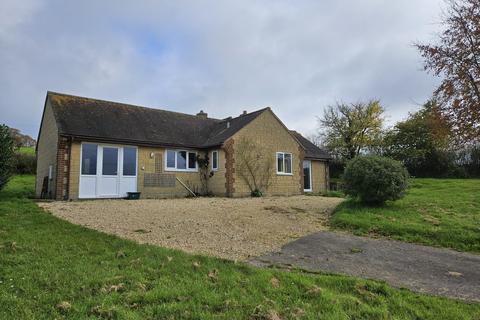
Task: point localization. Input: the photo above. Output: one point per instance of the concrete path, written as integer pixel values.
(420, 268)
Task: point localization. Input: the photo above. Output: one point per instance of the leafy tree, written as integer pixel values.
(374, 179)
(21, 140)
(349, 129)
(6, 155)
(422, 143)
(468, 157)
(456, 58)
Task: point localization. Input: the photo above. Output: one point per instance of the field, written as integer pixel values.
(435, 212)
(27, 150)
(53, 269)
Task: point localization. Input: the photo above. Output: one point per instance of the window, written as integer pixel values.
(110, 161)
(192, 160)
(89, 159)
(214, 160)
(181, 160)
(170, 159)
(284, 163)
(129, 161)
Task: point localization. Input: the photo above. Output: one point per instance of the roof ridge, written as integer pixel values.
(130, 105)
(246, 114)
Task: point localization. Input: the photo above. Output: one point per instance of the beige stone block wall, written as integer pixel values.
(216, 184)
(319, 176)
(74, 170)
(268, 132)
(146, 164)
(47, 151)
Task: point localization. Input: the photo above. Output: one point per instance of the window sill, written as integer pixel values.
(284, 174)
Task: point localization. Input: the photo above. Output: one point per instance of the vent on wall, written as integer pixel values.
(162, 180)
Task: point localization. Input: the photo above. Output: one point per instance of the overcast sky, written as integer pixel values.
(220, 56)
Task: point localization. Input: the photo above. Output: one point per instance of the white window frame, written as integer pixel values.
(181, 170)
(98, 175)
(283, 173)
(218, 158)
(120, 160)
(81, 160)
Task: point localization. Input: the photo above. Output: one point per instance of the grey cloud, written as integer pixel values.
(220, 56)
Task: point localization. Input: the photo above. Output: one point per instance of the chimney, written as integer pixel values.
(202, 114)
(244, 112)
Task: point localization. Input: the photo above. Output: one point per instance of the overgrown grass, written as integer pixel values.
(51, 269)
(436, 212)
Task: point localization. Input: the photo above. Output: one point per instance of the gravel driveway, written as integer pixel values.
(223, 227)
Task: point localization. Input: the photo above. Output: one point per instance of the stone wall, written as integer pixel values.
(269, 133)
(47, 152)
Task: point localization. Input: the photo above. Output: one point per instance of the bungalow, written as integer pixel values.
(89, 148)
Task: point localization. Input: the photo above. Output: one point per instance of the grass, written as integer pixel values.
(435, 212)
(51, 269)
(27, 150)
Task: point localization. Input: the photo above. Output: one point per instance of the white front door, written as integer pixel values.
(107, 171)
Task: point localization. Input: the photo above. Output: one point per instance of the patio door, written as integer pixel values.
(108, 180)
(107, 171)
(307, 176)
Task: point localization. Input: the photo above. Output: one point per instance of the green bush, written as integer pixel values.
(24, 163)
(374, 179)
(256, 193)
(6, 155)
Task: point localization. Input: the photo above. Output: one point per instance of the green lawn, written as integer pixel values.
(436, 212)
(50, 269)
(27, 150)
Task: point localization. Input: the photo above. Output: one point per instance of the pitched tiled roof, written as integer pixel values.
(102, 120)
(311, 150)
(106, 120)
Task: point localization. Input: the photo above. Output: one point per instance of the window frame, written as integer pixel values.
(176, 151)
(96, 160)
(216, 157)
(123, 161)
(104, 170)
(283, 172)
(120, 148)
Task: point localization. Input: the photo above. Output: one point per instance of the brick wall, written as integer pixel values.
(63, 165)
(229, 167)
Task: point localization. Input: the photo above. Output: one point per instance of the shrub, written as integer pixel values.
(24, 163)
(6, 155)
(256, 193)
(374, 179)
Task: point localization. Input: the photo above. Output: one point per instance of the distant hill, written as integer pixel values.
(22, 140)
